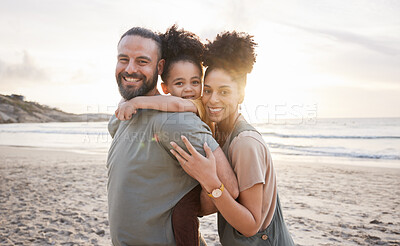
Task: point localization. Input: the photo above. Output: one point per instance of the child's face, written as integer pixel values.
(184, 80)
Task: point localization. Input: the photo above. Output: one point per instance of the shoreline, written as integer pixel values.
(311, 160)
(55, 149)
(59, 197)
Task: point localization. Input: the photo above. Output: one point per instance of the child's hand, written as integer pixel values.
(120, 102)
(125, 109)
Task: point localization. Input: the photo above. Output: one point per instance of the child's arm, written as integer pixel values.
(162, 103)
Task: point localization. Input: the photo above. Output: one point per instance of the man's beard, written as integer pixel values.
(147, 85)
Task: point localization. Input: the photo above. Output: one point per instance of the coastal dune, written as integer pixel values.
(14, 109)
(51, 197)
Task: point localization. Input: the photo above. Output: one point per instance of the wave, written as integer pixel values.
(326, 136)
(91, 132)
(325, 151)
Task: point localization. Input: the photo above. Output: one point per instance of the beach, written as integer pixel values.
(58, 197)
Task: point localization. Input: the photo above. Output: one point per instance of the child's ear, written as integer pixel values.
(160, 66)
(164, 88)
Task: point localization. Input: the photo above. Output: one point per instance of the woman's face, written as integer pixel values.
(184, 80)
(221, 96)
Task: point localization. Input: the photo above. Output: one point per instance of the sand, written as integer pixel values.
(52, 197)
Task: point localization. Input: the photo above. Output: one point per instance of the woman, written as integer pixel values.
(255, 218)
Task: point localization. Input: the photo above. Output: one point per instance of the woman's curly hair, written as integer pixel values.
(181, 45)
(231, 51)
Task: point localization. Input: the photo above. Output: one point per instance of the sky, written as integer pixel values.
(315, 58)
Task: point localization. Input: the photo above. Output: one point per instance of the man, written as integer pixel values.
(145, 181)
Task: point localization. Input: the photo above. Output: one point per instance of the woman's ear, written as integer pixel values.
(164, 88)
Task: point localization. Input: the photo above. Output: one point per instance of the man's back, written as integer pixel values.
(144, 180)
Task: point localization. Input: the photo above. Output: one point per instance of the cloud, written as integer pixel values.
(349, 37)
(363, 59)
(239, 15)
(26, 70)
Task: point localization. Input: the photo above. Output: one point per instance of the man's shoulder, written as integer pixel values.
(113, 125)
(175, 125)
(180, 122)
(177, 118)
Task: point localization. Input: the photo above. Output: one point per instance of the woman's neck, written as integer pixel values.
(225, 127)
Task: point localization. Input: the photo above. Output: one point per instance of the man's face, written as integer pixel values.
(137, 67)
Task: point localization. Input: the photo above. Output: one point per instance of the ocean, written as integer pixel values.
(361, 141)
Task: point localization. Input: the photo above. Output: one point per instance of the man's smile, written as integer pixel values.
(131, 79)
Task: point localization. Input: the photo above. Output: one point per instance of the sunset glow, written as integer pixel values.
(341, 58)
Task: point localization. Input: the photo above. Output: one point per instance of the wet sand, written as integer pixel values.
(52, 197)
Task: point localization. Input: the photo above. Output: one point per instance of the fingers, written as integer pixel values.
(182, 162)
(178, 149)
(178, 157)
(189, 146)
(209, 153)
(118, 114)
(127, 115)
(124, 113)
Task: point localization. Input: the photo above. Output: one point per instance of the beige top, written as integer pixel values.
(252, 163)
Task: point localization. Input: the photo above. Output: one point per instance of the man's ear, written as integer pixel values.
(160, 66)
(164, 88)
(241, 96)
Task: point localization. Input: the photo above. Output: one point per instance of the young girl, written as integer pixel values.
(182, 78)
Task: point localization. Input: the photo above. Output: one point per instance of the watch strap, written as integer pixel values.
(220, 188)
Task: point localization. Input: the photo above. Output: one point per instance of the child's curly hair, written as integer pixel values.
(180, 45)
(232, 52)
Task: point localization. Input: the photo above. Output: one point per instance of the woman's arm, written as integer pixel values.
(245, 215)
(228, 178)
(162, 103)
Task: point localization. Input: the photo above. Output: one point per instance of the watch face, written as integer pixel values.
(216, 193)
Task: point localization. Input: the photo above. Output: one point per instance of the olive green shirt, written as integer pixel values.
(145, 181)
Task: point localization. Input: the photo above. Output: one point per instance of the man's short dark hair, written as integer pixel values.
(145, 33)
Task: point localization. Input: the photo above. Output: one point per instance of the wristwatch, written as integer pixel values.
(217, 192)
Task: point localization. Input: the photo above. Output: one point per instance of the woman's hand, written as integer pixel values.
(125, 109)
(201, 168)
